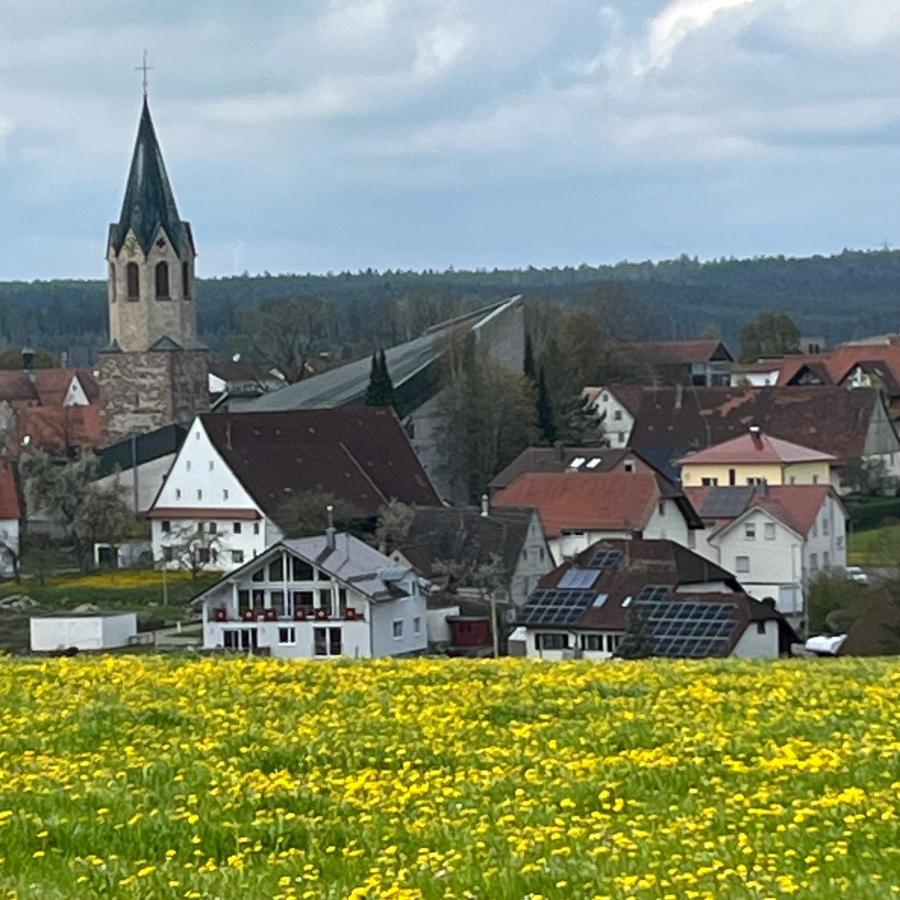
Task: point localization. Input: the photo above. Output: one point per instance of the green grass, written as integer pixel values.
(861, 552)
(126, 590)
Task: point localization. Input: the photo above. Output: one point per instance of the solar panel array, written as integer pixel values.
(555, 607)
(604, 559)
(652, 593)
(578, 578)
(688, 628)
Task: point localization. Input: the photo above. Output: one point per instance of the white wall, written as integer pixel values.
(9, 536)
(405, 610)
(753, 645)
(84, 632)
(617, 421)
(668, 521)
(609, 642)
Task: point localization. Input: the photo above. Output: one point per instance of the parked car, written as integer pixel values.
(855, 573)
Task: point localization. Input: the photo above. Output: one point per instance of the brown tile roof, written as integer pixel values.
(52, 385)
(202, 512)
(573, 501)
(463, 534)
(668, 353)
(838, 364)
(361, 455)
(833, 420)
(17, 388)
(10, 506)
(559, 459)
(755, 448)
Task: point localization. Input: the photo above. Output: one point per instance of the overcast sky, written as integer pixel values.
(341, 134)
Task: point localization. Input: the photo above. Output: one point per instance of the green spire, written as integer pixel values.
(149, 202)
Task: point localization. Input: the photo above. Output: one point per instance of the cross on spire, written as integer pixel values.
(145, 69)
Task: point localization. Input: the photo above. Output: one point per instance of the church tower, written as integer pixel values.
(154, 371)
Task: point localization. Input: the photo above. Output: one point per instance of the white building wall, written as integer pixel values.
(755, 645)
(117, 630)
(617, 420)
(84, 632)
(406, 610)
(826, 543)
(667, 522)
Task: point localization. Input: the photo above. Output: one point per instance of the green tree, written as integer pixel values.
(529, 366)
(68, 495)
(306, 514)
(394, 521)
(380, 391)
(769, 334)
(833, 603)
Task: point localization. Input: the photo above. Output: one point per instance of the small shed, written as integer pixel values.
(84, 631)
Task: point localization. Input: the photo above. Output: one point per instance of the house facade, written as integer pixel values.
(226, 495)
(322, 597)
(776, 540)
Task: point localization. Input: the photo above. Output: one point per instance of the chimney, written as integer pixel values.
(756, 436)
(28, 362)
(485, 506)
(330, 533)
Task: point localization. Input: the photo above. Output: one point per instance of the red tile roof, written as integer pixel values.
(52, 385)
(755, 448)
(58, 429)
(840, 362)
(604, 501)
(10, 507)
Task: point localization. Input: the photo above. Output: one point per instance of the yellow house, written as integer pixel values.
(755, 458)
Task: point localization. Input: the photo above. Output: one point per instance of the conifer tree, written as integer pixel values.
(545, 417)
(529, 367)
(381, 389)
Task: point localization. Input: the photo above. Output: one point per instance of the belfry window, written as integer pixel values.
(162, 281)
(186, 281)
(112, 283)
(133, 277)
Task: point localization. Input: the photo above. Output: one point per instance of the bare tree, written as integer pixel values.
(195, 548)
(284, 334)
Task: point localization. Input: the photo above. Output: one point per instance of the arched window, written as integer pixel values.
(162, 281)
(133, 277)
(112, 283)
(186, 280)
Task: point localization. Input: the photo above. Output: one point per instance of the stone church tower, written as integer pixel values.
(154, 371)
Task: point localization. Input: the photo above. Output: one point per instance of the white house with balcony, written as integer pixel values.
(776, 540)
(319, 597)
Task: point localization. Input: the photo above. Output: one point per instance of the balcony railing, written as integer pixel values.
(350, 614)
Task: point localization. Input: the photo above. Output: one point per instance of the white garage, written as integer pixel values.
(84, 631)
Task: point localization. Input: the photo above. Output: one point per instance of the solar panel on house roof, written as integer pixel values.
(578, 578)
(651, 593)
(687, 628)
(604, 559)
(726, 502)
(555, 607)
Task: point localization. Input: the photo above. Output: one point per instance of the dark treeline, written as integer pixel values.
(838, 297)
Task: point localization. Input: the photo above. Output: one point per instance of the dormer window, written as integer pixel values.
(133, 278)
(162, 281)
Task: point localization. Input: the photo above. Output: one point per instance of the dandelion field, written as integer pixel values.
(151, 777)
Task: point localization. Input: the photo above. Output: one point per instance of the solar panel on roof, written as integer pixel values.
(652, 592)
(578, 578)
(687, 628)
(555, 607)
(604, 559)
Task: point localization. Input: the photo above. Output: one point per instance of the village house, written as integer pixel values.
(236, 474)
(850, 425)
(697, 362)
(614, 408)
(659, 596)
(579, 508)
(755, 458)
(775, 539)
(318, 597)
(10, 519)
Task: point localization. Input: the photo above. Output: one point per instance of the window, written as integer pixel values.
(630, 466)
(237, 556)
(617, 415)
(621, 437)
(814, 561)
(277, 602)
(177, 493)
(162, 281)
(760, 627)
(815, 479)
(769, 531)
(327, 641)
(417, 625)
(552, 641)
(826, 559)
(732, 477)
(166, 527)
(199, 494)
(303, 601)
(750, 531)
(592, 642)
(187, 465)
(212, 528)
(186, 280)
(211, 465)
(224, 493)
(203, 555)
(692, 540)
(302, 570)
(709, 482)
(133, 279)
(276, 570)
(256, 527)
(398, 628)
(244, 601)
(661, 507)
(814, 531)
(287, 635)
(742, 564)
(236, 527)
(258, 575)
(825, 526)
(756, 482)
(792, 479)
(168, 554)
(112, 283)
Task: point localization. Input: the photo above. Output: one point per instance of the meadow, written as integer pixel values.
(238, 778)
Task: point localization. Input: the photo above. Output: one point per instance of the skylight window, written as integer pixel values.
(577, 463)
(593, 463)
